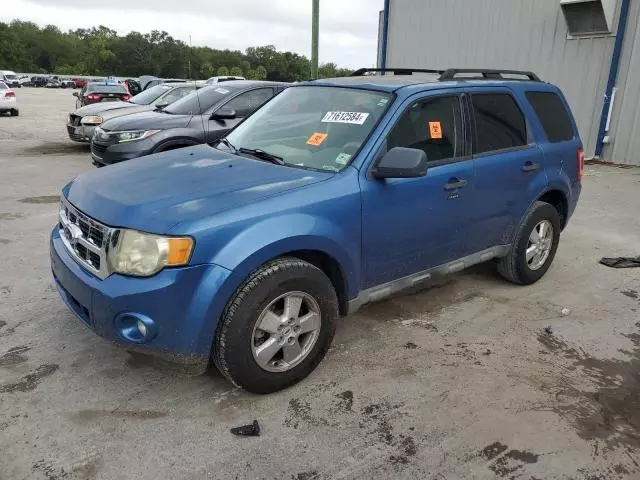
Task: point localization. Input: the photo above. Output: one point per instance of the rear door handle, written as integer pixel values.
(455, 184)
(530, 167)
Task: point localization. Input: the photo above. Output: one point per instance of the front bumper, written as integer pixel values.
(183, 304)
(80, 133)
(110, 153)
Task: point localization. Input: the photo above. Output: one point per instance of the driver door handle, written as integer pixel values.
(455, 184)
(530, 167)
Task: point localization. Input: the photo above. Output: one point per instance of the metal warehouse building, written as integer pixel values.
(590, 48)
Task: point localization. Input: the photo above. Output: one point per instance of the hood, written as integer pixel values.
(157, 192)
(97, 108)
(118, 112)
(147, 121)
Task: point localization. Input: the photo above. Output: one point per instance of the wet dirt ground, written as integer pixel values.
(455, 382)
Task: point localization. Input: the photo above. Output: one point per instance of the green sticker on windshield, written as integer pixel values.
(343, 159)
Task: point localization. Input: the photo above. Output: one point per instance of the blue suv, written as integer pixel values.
(334, 194)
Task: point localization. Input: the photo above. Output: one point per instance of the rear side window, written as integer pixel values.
(434, 126)
(553, 115)
(499, 122)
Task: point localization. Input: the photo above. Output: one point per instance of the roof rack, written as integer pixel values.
(450, 74)
(487, 74)
(395, 71)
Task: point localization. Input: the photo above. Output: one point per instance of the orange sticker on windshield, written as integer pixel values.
(317, 138)
(435, 129)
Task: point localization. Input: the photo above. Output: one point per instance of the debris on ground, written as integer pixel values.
(565, 312)
(252, 430)
(487, 352)
(621, 262)
(548, 330)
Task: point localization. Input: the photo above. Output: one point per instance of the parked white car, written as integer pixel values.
(8, 100)
(10, 78)
(226, 78)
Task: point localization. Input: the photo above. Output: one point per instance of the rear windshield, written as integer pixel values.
(553, 115)
(150, 95)
(3, 86)
(96, 87)
(200, 101)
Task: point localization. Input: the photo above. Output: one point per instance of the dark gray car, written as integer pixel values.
(82, 123)
(204, 116)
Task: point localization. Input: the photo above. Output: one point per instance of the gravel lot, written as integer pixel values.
(453, 382)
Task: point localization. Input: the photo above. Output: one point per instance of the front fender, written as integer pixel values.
(275, 237)
(176, 136)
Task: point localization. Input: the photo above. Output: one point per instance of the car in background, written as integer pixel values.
(67, 83)
(10, 78)
(80, 82)
(53, 83)
(148, 81)
(82, 123)
(8, 100)
(100, 92)
(25, 81)
(203, 116)
(224, 78)
(39, 81)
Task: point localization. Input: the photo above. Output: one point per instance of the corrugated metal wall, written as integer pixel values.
(519, 34)
(625, 124)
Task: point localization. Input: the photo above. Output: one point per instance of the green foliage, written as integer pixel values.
(236, 72)
(25, 47)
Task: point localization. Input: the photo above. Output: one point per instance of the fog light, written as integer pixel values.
(142, 328)
(135, 327)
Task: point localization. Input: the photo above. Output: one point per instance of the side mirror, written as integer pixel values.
(161, 105)
(224, 114)
(75, 94)
(401, 162)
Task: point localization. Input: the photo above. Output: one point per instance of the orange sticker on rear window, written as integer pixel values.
(317, 138)
(435, 129)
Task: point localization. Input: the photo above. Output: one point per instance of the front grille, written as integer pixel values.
(85, 239)
(98, 150)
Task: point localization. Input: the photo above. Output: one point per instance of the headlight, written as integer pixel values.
(122, 137)
(91, 120)
(144, 254)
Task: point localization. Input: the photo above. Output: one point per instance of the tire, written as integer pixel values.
(515, 267)
(238, 335)
(15, 113)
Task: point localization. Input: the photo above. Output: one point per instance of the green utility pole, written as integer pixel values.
(315, 20)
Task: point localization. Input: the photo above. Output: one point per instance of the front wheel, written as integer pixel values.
(277, 327)
(534, 247)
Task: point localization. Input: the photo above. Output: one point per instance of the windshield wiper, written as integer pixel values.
(262, 155)
(227, 144)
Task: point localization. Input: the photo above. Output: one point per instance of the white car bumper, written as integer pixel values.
(8, 103)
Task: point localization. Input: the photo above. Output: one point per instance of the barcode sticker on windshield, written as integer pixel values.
(354, 118)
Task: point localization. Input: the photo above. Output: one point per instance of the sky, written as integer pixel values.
(348, 28)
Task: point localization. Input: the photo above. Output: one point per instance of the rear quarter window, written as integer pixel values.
(499, 122)
(553, 116)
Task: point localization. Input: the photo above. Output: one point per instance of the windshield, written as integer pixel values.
(313, 127)
(151, 95)
(198, 102)
(96, 87)
(11, 76)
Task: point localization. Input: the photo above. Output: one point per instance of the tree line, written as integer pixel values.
(100, 51)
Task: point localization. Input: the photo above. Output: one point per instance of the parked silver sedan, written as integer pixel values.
(82, 123)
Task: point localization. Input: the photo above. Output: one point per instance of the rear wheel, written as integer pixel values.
(15, 112)
(277, 327)
(534, 246)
